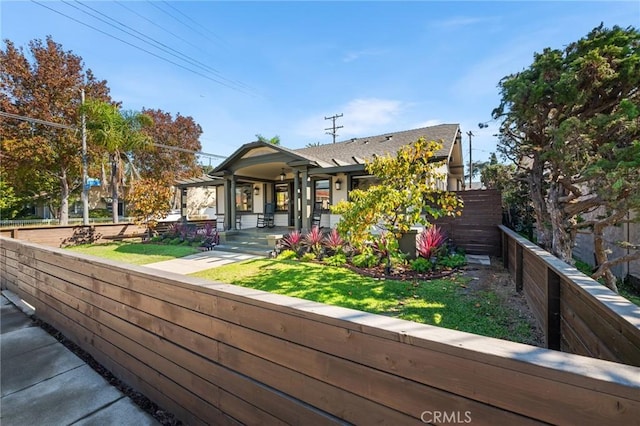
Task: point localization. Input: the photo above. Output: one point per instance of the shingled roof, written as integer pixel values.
(357, 150)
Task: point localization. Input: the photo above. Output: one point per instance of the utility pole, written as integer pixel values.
(470, 134)
(85, 177)
(334, 127)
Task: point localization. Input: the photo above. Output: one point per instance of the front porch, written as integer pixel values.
(258, 241)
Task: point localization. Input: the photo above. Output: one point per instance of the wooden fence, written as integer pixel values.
(476, 230)
(577, 314)
(57, 236)
(219, 354)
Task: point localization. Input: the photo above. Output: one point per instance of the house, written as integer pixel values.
(300, 185)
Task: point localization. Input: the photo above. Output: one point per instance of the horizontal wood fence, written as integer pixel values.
(57, 236)
(476, 230)
(219, 354)
(576, 313)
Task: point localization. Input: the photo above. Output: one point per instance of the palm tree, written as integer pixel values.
(118, 133)
(273, 141)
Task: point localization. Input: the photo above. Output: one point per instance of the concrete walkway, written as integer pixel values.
(200, 261)
(44, 383)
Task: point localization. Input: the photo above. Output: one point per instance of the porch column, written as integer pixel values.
(304, 201)
(226, 201)
(296, 199)
(183, 204)
(232, 203)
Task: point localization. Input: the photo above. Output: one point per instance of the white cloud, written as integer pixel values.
(361, 117)
(352, 56)
(428, 123)
(464, 21)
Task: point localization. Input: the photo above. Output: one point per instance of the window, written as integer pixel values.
(322, 193)
(244, 197)
(282, 197)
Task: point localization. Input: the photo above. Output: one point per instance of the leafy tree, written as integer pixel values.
(149, 201)
(118, 133)
(9, 201)
(39, 159)
(516, 202)
(273, 141)
(404, 196)
(572, 119)
(161, 163)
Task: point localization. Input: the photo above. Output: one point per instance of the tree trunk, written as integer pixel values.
(114, 188)
(601, 257)
(543, 221)
(64, 199)
(562, 241)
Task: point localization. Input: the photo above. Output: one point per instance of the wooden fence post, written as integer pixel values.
(552, 332)
(518, 267)
(505, 250)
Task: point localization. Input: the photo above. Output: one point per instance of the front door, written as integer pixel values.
(284, 200)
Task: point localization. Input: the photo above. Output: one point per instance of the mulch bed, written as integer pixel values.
(400, 274)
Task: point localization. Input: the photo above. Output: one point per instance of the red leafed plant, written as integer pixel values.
(293, 241)
(334, 242)
(313, 239)
(430, 241)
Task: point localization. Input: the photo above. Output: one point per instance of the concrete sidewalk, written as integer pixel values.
(44, 383)
(200, 261)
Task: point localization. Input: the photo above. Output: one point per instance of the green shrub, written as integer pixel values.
(336, 260)
(364, 260)
(175, 241)
(287, 255)
(99, 213)
(422, 265)
(452, 261)
(156, 239)
(308, 257)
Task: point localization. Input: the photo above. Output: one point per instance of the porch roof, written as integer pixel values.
(273, 153)
(203, 180)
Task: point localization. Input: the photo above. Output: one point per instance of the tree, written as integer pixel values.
(273, 141)
(516, 203)
(118, 133)
(572, 119)
(404, 196)
(149, 201)
(167, 164)
(47, 87)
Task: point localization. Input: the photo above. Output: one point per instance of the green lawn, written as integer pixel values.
(442, 302)
(136, 253)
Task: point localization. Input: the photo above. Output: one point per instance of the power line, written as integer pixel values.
(65, 126)
(164, 47)
(180, 20)
(159, 26)
(221, 41)
(36, 120)
(142, 49)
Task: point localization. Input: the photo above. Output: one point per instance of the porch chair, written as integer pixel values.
(267, 218)
(316, 216)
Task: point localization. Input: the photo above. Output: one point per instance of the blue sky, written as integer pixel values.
(280, 68)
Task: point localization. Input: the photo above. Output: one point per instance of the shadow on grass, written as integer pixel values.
(436, 302)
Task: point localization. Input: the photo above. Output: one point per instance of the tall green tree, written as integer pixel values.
(118, 133)
(405, 195)
(571, 119)
(273, 141)
(41, 160)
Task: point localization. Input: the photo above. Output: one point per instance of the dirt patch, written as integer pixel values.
(498, 280)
